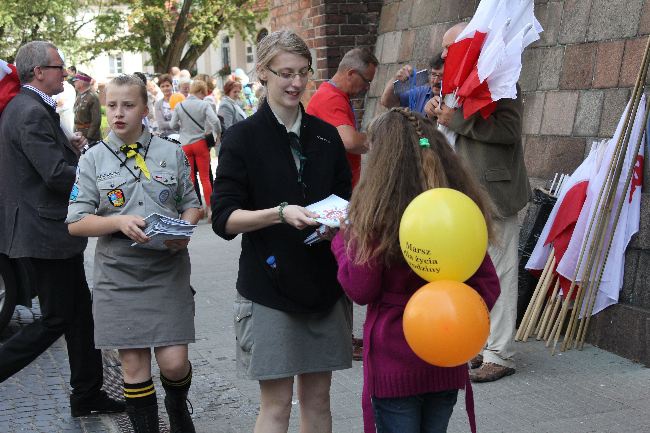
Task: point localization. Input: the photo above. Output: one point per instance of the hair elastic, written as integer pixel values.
(424, 142)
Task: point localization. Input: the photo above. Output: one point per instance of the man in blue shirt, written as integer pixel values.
(421, 97)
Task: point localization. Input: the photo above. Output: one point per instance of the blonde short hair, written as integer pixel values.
(198, 86)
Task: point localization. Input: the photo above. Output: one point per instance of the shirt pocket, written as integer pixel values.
(112, 193)
(164, 186)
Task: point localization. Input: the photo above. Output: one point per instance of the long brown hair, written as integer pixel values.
(398, 169)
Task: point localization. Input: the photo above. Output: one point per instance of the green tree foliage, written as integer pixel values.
(173, 32)
(23, 21)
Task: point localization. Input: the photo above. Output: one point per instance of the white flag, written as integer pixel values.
(628, 223)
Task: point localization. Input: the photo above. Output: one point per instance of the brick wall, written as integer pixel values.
(330, 28)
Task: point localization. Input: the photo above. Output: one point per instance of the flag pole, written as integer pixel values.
(540, 300)
(601, 218)
(547, 311)
(582, 330)
(556, 304)
(524, 321)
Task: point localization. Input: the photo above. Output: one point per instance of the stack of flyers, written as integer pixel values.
(161, 228)
(330, 211)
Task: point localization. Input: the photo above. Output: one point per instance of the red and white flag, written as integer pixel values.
(484, 63)
(9, 83)
(597, 164)
(559, 227)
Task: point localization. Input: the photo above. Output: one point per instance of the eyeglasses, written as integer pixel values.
(289, 76)
(365, 80)
(59, 67)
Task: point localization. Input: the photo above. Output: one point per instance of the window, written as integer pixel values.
(249, 54)
(115, 64)
(225, 51)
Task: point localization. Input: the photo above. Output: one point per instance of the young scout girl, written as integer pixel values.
(142, 297)
(407, 156)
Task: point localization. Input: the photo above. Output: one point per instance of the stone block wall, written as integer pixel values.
(575, 80)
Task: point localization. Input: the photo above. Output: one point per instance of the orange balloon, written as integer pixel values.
(446, 323)
(175, 99)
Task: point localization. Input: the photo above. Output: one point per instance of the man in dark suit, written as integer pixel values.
(37, 171)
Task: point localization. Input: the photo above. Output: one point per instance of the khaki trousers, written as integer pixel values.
(504, 255)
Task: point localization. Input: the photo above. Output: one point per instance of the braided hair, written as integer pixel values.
(407, 157)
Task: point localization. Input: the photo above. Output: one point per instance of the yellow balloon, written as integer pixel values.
(443, 235)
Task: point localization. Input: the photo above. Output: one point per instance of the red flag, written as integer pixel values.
(9, 84)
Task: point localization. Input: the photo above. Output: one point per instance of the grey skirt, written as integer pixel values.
(273, 344)
(142, 297)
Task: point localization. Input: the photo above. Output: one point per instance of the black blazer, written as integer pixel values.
(37, 169)
(257, 171)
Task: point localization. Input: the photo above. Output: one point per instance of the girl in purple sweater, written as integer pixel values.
(402, 393)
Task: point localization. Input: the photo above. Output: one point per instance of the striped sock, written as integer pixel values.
(181, 385)
(140, 394)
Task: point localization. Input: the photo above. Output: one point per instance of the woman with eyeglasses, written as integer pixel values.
(291, 318)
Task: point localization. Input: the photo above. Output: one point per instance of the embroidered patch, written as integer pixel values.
(163, 196)
(116, 197)
(74, 193)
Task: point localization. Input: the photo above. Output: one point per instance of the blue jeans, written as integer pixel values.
(424, 413)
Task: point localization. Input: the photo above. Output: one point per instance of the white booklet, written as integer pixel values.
(330, 211)
(161, 228)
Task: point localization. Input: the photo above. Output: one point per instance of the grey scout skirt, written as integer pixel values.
(141, 298)
(272, 344)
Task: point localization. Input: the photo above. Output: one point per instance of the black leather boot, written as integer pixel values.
(144, 419)
(180, 420)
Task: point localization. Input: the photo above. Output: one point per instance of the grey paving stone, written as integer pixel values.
(574, 392)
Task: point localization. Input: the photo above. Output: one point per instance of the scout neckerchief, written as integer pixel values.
(131, 151)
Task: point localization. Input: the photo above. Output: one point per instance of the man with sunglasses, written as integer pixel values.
(331, 102)
(38, 165)
(422, 97)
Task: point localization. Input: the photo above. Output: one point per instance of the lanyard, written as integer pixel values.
(123, 162)
(354, 114)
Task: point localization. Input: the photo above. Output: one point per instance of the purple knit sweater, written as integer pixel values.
(391, 369)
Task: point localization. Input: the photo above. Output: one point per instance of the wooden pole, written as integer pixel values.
(556, 304)
(607, 195)
(582, 330)
(547, 312)
(524, 320)
(540, 300)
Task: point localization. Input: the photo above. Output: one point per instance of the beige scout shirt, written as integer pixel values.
(105, 187)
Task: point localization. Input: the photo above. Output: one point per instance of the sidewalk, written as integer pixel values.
(589, 391)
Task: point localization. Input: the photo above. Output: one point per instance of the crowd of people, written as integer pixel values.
(276, 157)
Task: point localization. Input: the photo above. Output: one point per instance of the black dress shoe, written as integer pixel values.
(100, 403)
